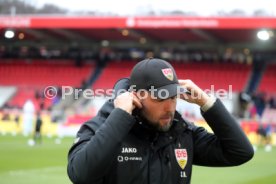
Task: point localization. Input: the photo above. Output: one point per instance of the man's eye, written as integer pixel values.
(160, 100)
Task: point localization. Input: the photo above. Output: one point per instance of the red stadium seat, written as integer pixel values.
(268, 81)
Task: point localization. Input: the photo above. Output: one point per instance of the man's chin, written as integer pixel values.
(164, 128)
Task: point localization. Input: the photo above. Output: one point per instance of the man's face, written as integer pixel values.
(159, 113)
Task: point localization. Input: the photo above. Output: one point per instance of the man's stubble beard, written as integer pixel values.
(156, 125)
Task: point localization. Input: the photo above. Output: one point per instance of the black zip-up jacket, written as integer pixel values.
(116, 148)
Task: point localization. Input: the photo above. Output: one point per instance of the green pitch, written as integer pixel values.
(46, 163)
(260, 170)
(41, 164)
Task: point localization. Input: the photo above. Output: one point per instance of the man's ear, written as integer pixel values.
(142, 95)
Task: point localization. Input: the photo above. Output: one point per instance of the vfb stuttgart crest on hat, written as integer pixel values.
(181, 157)
(168, 73)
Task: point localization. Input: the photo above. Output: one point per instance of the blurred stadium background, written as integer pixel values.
(47, 51)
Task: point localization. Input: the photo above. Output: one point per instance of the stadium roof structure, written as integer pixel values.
(188, 32)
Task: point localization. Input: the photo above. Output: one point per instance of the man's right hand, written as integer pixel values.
(127, 101)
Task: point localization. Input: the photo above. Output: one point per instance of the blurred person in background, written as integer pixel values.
(264, 133)
(260, 102)
(37, 132)
(28, 117)
(6, 115)
(272, 102)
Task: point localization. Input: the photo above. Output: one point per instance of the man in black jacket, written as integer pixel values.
(139, 138)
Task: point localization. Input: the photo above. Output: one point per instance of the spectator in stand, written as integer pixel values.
(244, 103)
(252, 110)
(272, 103)
(6, 115)
(260, 103)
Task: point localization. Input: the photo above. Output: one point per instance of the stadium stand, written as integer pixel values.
(219, 75)
(32, 76)
(112, 72)
(6, 93)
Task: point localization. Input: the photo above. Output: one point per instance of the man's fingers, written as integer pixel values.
(184, 81)
(136, 102)
(126, 102)
(188, 84)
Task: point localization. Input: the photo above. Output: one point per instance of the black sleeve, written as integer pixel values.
(228, 146)
(93, 153)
